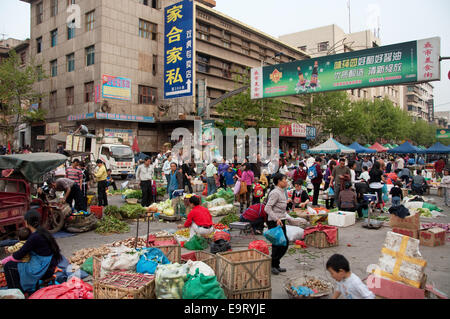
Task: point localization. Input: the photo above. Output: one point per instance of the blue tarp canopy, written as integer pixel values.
(361, 149)
(438, 148)
(331, 147)
(406, 148)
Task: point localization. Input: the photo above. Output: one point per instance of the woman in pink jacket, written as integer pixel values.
(248, 178)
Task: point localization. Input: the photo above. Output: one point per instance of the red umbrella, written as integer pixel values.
(135, 146)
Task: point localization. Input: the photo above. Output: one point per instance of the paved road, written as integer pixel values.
(365, 250)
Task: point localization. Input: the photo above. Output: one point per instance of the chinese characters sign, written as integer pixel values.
(409, 62)
(179, 49)
(114, 87)
(293, 130)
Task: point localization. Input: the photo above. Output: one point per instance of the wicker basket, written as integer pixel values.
(249, 294)
(172, 252)
(318, 239)
(245, 270)
(302, 282)
(202, 256)
(120, 285)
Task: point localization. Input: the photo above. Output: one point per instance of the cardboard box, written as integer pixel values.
(389, 289)
(433, 237)
(410, 222)
(406, 232)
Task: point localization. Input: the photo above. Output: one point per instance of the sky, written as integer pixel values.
(400, 20)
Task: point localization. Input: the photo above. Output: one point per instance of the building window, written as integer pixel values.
(54, 8)
(70, 93)
(52, 100)
(71, 62)
(155, 64)
(154, 3)
(54, 37)
(303, 48)
(323, 46)
(39, 45)
(90, 18)
(39, 13)
(202, 63)
(203, 31)
(246, 47)
(147, 28)
(54, 67)
(147, 95)
(90, 55)
(70, 2)
(226, 70)
(71, 31)
(89, 92)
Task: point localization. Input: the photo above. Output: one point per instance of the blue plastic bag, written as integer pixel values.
(276, 236)
(150, 259)
(330, 191)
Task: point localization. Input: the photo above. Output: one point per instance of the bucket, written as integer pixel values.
(97, 211)
(89, 199)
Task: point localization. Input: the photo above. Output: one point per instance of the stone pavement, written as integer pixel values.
(364, 250)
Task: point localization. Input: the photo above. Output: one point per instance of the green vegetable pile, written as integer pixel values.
(132, 211)
(425, 212)
(130, 193)
(230, 218)
(113, 211)
(110, 224)
(116, 192)
(228, 195)
(161, 191)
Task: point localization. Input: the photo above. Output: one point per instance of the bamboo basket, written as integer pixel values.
(318, 239)
(245, 270)
(302, 282)
(249, 294)
(202, 256)
(172, 252)
(120, 285)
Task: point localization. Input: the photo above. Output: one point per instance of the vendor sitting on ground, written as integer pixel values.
(299, 197)
(418, 183)
(199, 219)
(44, 253)
(71, 192)
(256, 216)
(347, 198)
(110, 181)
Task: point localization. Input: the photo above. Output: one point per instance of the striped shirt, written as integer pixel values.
(74, 174)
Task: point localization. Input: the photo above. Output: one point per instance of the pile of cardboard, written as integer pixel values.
(408, 226)
(432, 237)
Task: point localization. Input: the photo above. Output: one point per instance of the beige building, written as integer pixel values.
(125, 38)
(419, 101)
(331, 39)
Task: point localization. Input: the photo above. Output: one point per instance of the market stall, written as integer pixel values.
(361, 149)
(378, 148)
(331, 147)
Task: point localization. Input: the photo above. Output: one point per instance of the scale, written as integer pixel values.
(375, 224)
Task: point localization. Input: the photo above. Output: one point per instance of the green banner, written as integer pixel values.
(443, 133)
(415, 61)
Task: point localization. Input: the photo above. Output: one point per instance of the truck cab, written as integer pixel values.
(117, 157)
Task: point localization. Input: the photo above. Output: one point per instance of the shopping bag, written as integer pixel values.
(276, 236)
(237, 188)
(330, 191)
(199, 286)
(243, 189)
(150, 259)
(196, 243)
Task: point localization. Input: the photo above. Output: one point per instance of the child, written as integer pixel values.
(110, 181)
(263, 179)
(348, 283)
(229, 177)
(258, 192)
(397, 194)
(365, 174)
(24, 233)
(299, 198)
(205, 182)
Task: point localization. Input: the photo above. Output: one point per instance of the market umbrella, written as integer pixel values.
(378, 147)
(406, 148)
(438, 148)
(361, 149)
(135, 146)
(331, 147)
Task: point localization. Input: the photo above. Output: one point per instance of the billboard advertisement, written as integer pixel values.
(409, 62)
(179, 50)
(443, 133)
(115, 87)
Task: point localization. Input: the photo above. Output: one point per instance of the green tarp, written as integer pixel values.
(33, 166)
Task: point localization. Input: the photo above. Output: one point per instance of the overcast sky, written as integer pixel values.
(401, 21)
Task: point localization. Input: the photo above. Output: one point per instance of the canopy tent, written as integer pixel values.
(331, 147)
(361, 149)
(378, 147)
(438, 148)
(388, 146)
(406, 148)
(367, 145)
(394, 145)
(422, 147)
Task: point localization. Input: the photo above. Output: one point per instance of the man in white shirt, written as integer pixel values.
(211, 176)
(144, 175)
(367, 163)
(166, 169)
(400, 162)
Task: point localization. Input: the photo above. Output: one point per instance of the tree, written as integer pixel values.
(422, 133)
(241, 111)
(16, 92)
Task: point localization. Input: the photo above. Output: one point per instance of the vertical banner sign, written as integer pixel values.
(409, 62)
(97, 93)
(179, 49)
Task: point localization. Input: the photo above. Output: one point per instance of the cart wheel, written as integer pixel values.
(55, 221)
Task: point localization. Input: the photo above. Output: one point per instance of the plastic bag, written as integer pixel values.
(260, 245)
(200, 266)
(330, 191)
(87, 265)
(199, 286)
(276, 236)
(196, 243)
(150, 259)
(11, 294)
(169, 280)
(431, 207)
(220, 246)
(74, 288)
(216, 203)
(294, 233)
(237, 188)
(122, 258)
(221, 235)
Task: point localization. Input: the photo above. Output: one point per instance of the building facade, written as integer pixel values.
(331, 39)
(419, 101)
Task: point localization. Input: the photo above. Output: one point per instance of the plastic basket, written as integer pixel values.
(97, 211)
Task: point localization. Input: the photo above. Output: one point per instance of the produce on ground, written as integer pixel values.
(227, 195)
(132, 211)
(130, 193)
(80, 256)
(230, 218)
(109, 224)
(166, 208)
(112, 210)
(223, 210)
(316, 285)
(183, 232)
(425, 212)
(161, 191)
(220, 226)
(116, 192)
(131, 242)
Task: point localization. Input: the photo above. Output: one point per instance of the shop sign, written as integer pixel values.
(293, 130)
(52, 128)
(115, 87)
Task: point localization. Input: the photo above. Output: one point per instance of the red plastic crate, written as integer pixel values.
(97, 211)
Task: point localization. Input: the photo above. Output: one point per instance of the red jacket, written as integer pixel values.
(439, 166)
(199, 215)
(300, 173)
(254, 212)
(318, 179)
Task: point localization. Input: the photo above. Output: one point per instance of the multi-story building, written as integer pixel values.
(125, 39)
(444, 116)
(419, 101)
(331, 39)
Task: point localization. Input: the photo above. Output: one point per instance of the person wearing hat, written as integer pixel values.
(100, 176)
